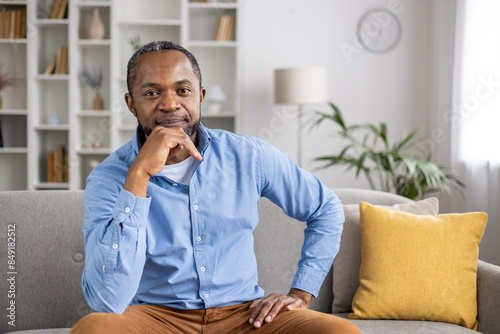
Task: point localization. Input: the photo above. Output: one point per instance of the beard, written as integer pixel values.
(190, 130)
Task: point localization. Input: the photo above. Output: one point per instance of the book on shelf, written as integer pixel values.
(225, 27)
(57, 9)
(57, 165)
(58, 64)
(51, 67)
(12, 23)
(64, 60)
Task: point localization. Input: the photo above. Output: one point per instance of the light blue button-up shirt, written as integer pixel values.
(191, 247)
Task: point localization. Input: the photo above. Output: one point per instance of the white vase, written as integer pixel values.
(96, 29)
(54, 118)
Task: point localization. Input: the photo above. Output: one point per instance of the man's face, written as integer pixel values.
(166, 92)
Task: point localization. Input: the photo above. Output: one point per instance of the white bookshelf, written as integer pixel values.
(89, 135)
(14, 113)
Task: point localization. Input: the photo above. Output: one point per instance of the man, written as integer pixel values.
(169, 219)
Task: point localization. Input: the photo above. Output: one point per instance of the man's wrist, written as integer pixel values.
(137, 182)
(304, 295)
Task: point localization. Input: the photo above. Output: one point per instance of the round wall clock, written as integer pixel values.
(379, 31)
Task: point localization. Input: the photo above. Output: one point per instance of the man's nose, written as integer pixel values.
(168, 101)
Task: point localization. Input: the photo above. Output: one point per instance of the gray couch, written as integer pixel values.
(49, 258)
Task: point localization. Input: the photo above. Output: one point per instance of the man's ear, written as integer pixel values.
(203, 92)
(130, 104)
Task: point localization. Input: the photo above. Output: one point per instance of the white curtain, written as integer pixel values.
(476, 115)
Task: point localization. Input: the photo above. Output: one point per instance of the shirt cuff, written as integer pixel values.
(308, 280)
(130, 209)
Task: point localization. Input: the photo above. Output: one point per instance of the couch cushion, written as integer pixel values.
(418, 267)
(44, 331)
(348, 260)
(49, 258)
(406, 326)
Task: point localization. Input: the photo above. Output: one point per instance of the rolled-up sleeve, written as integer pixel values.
(302, 196)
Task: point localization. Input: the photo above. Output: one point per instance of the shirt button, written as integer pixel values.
(174, 184)
(195, 207)
(203, 269)
(115, 246)
(127, 209)
(205, 295)
(198, 238)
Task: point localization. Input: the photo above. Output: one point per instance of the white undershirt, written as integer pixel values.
(180, 172)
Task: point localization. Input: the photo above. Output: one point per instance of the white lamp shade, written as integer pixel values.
(215, 94)
(300, 85)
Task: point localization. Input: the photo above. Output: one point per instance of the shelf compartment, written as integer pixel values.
(219, 67)
(13, 131)
(203, 22)
(86, 14)
(94, 133)
(146, 33)
(50, 38)
(46, 142)
(13, 57)
(53, 99)
(43, 9)
(130, 10)
(14, 171)
(95, 58)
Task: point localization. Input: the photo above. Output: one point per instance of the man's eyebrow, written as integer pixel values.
(155, 85)
(150, 84)
(184, 81)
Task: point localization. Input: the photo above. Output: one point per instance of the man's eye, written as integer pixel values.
(151, 93)
(184, 90)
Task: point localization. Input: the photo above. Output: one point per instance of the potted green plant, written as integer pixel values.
(398, 169)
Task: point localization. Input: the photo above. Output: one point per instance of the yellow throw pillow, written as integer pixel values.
(418, 267)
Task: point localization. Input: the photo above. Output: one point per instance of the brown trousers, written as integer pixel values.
(146, 319)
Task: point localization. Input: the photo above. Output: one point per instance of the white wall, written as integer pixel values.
(407, 88)
(391, 88)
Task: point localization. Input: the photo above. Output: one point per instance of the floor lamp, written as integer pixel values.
(301, 86)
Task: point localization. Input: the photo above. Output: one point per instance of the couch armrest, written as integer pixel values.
(488, 297)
